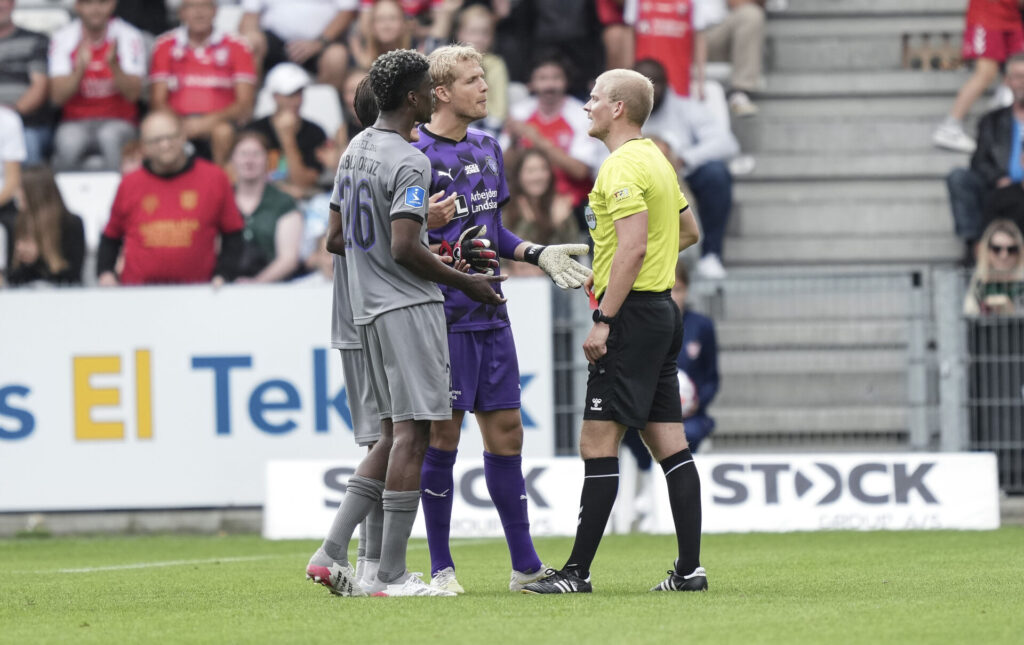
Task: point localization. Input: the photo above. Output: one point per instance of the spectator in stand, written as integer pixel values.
(733, 32)
(535, 211)
(169, 215)
(305, 32)
(49, 241)
(996, 162)
(131, 156)
(273, 224)
(666, 32)
(997, 286)
(616, 35)
(294, 141)
(429, 21)
(23, 82)
(386, 30)
(555, 122)
(149, 16)
(701, 148)
(476, 27)
(348, 96)
(12, 155)
(570, 28)
(207, 77)
(97, 64)
(993, 33)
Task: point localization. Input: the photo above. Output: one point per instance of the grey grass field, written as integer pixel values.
(841, 587)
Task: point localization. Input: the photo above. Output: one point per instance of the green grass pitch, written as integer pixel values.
(929, 587)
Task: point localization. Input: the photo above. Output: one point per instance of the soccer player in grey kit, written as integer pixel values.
(467, 164)
(379, 213)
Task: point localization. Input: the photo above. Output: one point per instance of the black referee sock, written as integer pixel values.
(684, 498)
(600, 486)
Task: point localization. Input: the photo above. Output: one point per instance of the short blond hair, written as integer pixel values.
(635, 90)
(444, 59)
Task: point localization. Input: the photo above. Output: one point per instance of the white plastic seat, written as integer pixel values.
(90, 196)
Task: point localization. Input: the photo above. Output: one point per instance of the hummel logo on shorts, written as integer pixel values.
(595, 405)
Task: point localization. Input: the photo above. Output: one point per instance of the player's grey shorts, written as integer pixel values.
(406, 352)
(361, 402)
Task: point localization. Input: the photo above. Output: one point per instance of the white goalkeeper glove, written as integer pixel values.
(556, 261)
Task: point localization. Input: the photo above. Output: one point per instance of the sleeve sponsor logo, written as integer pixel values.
(621, 194)
(414, 196)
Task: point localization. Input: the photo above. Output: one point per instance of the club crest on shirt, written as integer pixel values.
(621, 194)
(693, 350)
(189, 199)
(491, 164)
(588, 214)
(414, 196)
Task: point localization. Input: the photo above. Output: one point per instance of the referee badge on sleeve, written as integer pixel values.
(621, 194)
(588, 214)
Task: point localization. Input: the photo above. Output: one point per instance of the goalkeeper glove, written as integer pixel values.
(474, 248)
(555, 260)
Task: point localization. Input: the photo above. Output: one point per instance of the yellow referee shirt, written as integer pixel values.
(637, 177)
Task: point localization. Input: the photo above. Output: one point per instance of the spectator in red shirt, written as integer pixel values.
(306, 32)
(96, 67)
(665, 32)
(169, 214)
(616, 35)
(992, 34)
(206, 76)
(556, 123)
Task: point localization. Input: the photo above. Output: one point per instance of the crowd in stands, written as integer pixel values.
(223, 165)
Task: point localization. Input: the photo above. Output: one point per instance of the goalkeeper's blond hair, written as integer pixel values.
(444, 60)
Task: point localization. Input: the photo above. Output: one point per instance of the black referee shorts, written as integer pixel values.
(636, 381)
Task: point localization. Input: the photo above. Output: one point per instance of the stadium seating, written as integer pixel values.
(90, 196)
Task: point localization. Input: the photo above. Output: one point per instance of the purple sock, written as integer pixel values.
(505, 483)
(437, 491)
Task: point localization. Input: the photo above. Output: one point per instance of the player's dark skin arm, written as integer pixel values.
(335, 233)
(410, 253)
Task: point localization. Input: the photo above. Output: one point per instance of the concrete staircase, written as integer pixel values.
(849, 190)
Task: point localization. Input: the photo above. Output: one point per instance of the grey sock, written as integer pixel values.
(361, 495)
(374, 531)
(361, 549)
(399, 514)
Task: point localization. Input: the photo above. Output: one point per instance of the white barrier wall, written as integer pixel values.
(177, 397)
(740, 493)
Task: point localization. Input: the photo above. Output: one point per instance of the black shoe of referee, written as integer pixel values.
(563, 581)
(696, 581)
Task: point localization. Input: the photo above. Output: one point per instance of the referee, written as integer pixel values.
(639, 221)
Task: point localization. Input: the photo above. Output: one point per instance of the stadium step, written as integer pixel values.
(865, 218)
(811, 390)
(826, 249)
(830, 164)
(845, 192)
(853, 43)
(783, 421)
(859, 84)
(818, 8)
(735, 335)
(806, 301)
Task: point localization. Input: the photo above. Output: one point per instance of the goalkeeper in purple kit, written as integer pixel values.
(468, 164)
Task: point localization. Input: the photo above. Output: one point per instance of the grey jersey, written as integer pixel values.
(381, 177)
(343, 329)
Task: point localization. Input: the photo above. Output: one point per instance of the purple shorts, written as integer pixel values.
(485, 370)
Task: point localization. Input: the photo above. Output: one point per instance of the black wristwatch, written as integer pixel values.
(600, 317)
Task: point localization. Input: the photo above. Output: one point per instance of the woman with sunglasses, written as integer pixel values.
(997, 286)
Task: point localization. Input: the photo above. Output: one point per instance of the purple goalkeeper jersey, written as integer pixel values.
(472, 168)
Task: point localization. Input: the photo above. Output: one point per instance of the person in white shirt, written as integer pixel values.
(306, 32)
(733, 31)
(12, 155)
(700, 148)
